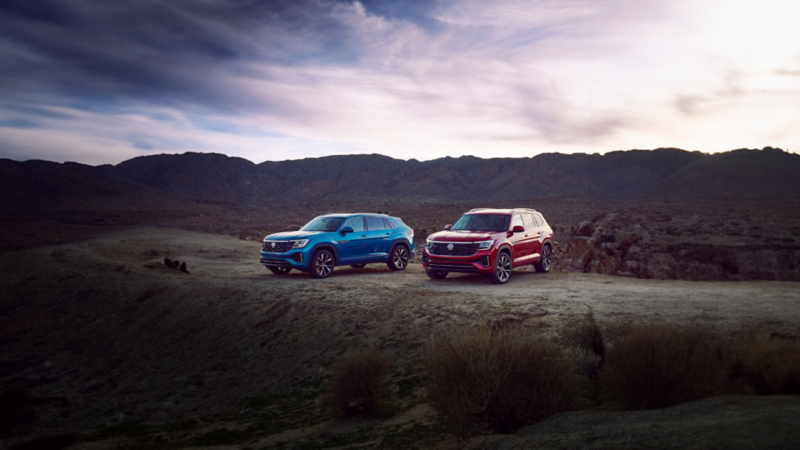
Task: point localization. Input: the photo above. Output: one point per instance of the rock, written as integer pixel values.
(585, 228)
(723, 423)
(635, 244)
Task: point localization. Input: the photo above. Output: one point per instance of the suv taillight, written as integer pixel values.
(410, 232)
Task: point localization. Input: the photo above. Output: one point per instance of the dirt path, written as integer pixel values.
(104, 334)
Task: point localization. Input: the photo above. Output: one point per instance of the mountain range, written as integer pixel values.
(661, 174)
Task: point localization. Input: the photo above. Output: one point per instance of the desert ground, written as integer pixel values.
(112, 349)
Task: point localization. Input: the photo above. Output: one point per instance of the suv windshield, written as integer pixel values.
(481, 222)
(323, 224)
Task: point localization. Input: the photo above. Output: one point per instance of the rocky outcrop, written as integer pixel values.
(643, 245)
(768, 422)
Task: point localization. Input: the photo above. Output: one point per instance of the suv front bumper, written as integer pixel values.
(296, 259)
(480, 262)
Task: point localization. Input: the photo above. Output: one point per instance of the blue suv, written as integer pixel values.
(337, 240)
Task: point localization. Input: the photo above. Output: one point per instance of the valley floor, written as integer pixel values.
(115, 350)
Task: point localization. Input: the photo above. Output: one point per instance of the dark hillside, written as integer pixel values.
(749, 174)
(33, 186)
(662, 174)
(623, 175)
(205, 176)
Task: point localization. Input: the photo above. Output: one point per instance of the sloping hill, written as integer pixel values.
(36, 185)
(734, 175)
(623, 175)
(661, 173)
(194, 175)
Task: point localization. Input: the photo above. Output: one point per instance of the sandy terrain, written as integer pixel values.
(109, 342)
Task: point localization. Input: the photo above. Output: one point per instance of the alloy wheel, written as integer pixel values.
(400, 258)
(546, 258)
(323, 264)
(503, 267)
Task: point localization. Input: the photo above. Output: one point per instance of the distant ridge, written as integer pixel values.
(661, 174)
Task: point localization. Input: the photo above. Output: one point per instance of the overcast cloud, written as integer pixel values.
(100, 82)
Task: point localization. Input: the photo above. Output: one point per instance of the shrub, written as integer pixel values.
(499, 380)
(769, 366)
(587, 344)
(660, 365)
(16, 410)
(50, 442)
(358, 382)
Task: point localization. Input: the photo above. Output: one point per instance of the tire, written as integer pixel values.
(358, 266)
(502, 269)
(279, 270)
(436, 274)
(544, 263)
(398, 258)
(322, 264)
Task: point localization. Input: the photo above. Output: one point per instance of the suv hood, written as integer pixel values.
(463, 236)
(292, 235)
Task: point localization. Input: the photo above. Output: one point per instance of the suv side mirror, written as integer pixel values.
(447, 227)
(517, 229)
(346, 230)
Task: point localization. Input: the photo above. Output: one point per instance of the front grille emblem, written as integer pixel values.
(273, 245)
(449, 247)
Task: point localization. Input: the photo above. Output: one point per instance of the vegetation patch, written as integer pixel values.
(767, 365)
(660, 365)
(50, 442)
(358, 385)
(16, 410)
(500, 380)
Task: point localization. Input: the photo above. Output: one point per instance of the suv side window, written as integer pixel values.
(356, 222)
(516, 220)
(389, 223)
(375, 223)
(540, 219)
(529, 222)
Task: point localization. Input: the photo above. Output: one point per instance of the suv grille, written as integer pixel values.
(280, 246)
(440, 248)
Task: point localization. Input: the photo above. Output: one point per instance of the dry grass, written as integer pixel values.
(497, 380)
(767, 365)
(660, 365)
(358, 383)
(587, 343)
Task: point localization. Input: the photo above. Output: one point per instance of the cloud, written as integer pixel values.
(422, 79)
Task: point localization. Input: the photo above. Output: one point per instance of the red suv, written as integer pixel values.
(490, 242)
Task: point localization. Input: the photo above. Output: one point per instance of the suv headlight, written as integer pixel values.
(483, 245)
(428, 243)
(299, 243)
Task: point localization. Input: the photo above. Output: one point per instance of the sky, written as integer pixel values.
(98, 81)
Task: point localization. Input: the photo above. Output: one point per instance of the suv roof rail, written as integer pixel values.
(526, 209)
(477, 209)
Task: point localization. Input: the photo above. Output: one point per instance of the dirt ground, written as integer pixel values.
(119, 351)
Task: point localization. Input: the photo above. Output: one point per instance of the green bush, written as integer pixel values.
(659, 365)
(358, 382)
(497, 380)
